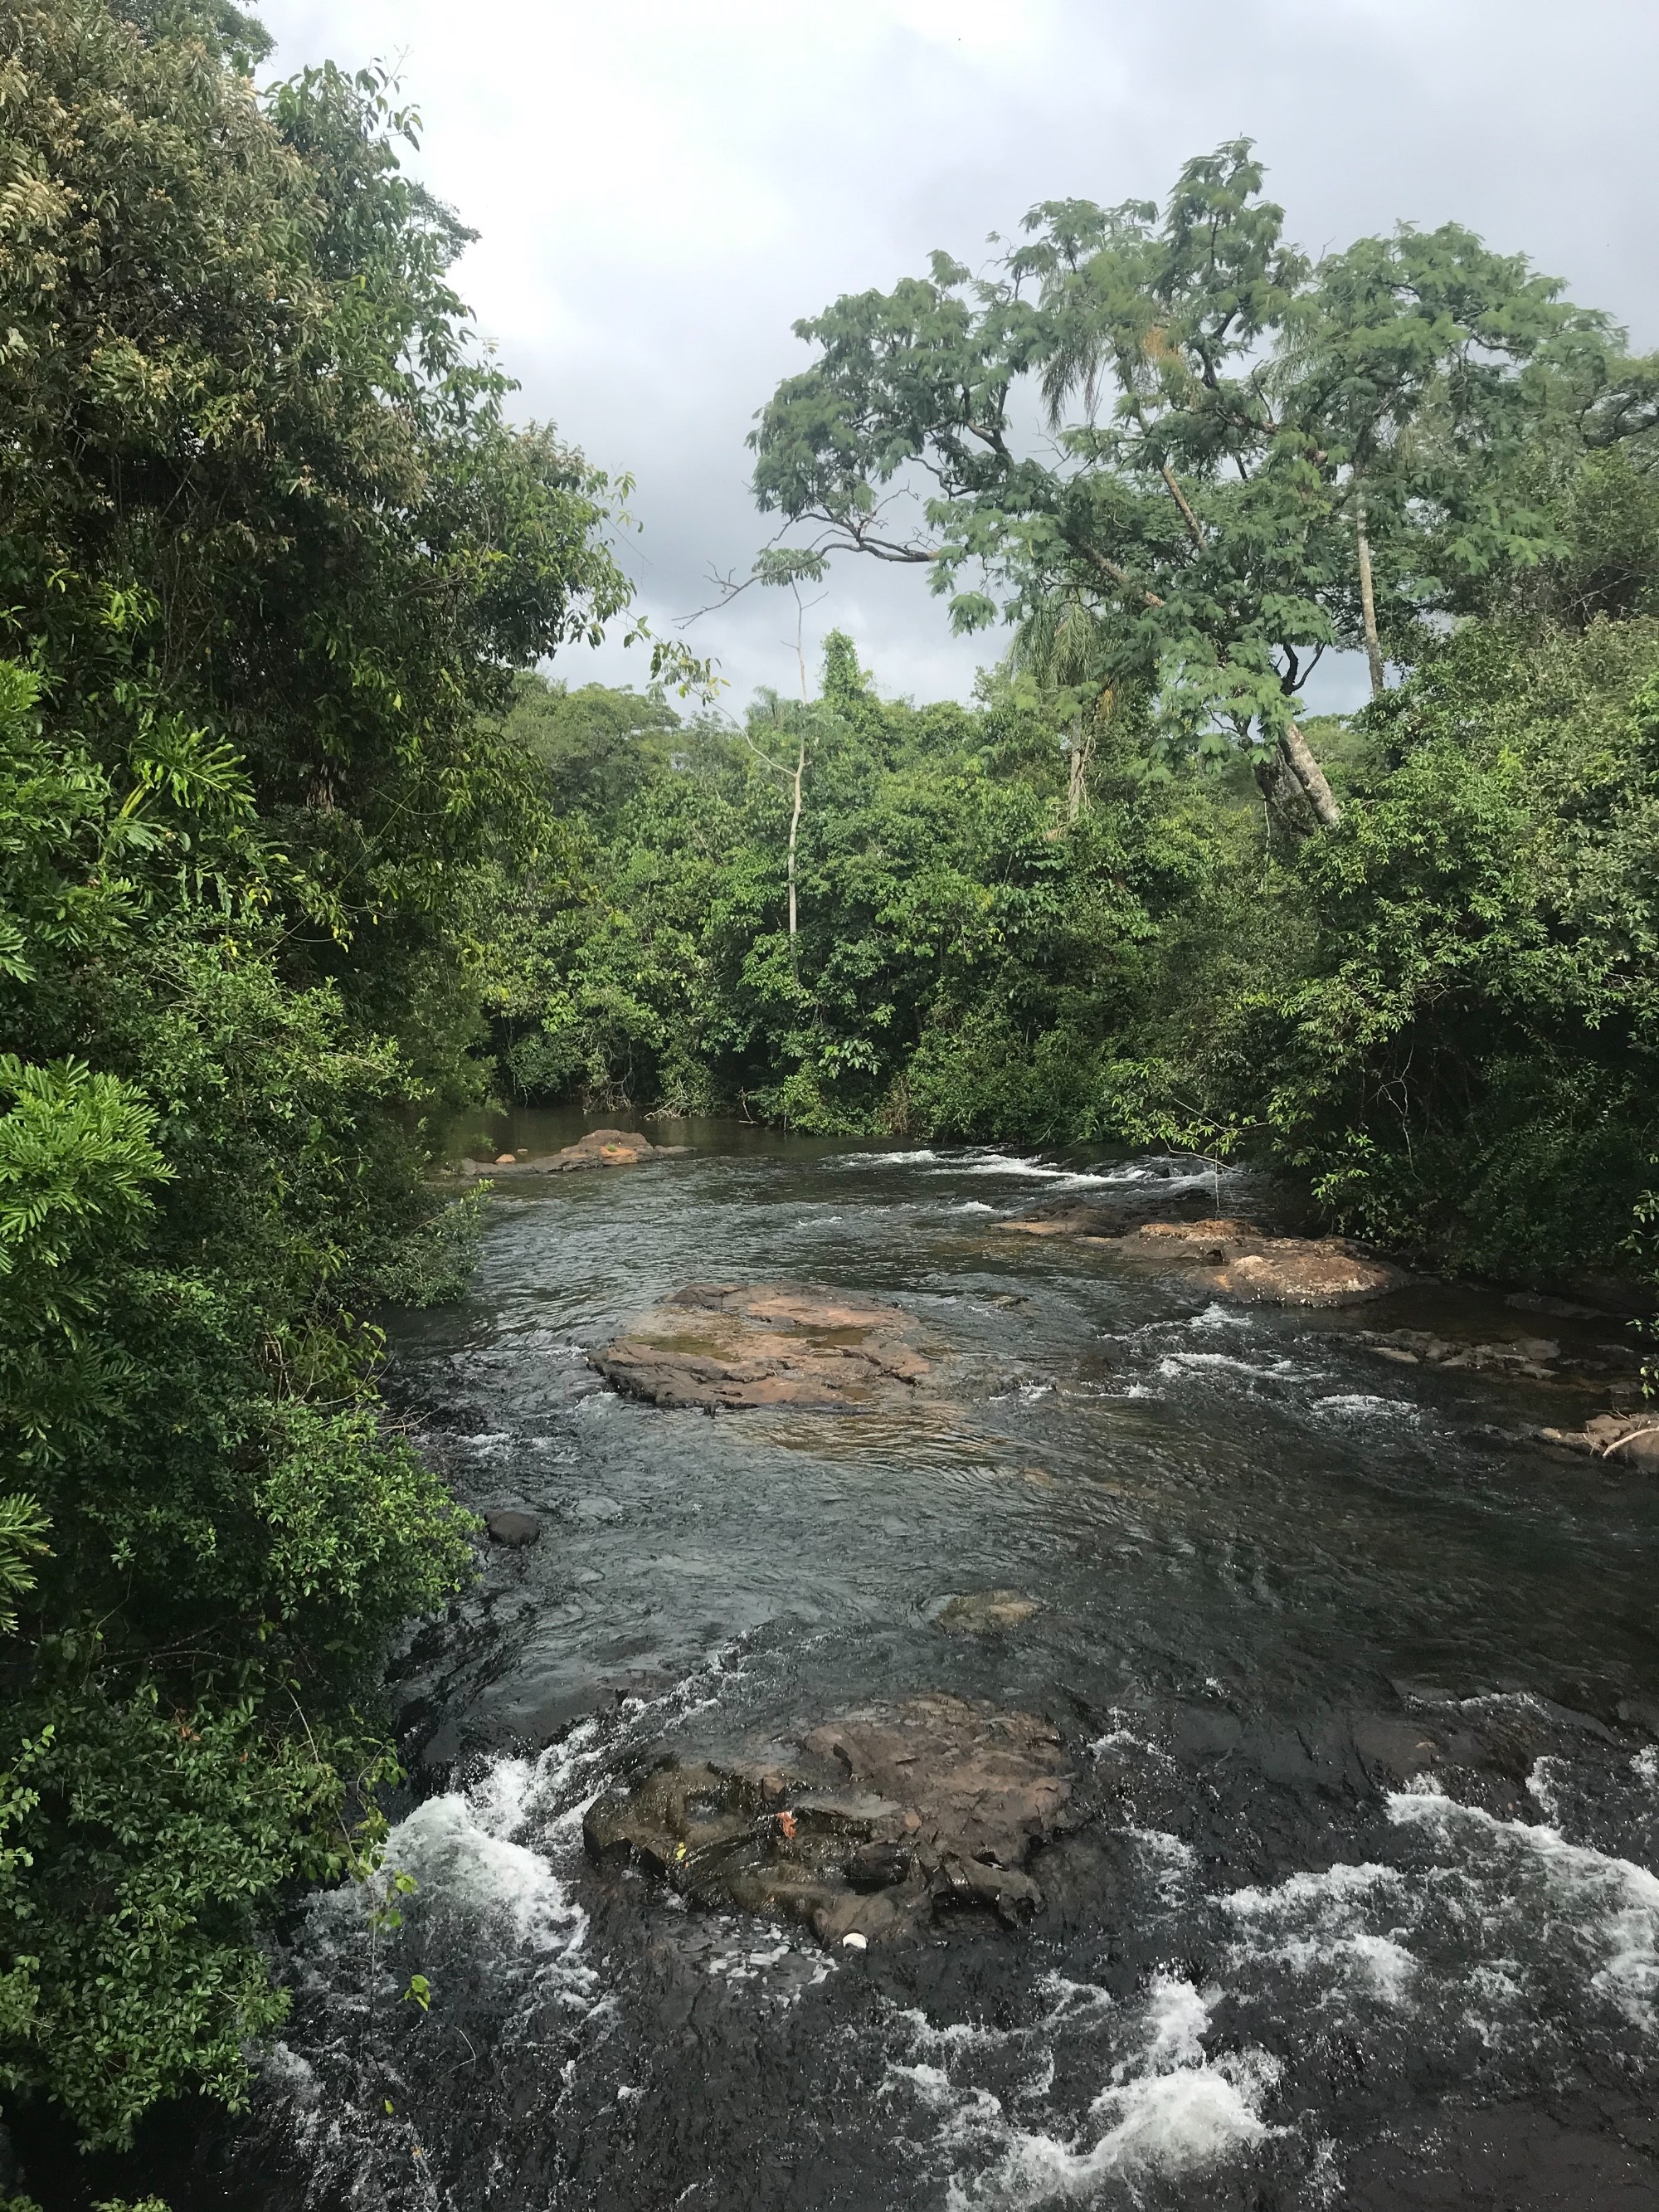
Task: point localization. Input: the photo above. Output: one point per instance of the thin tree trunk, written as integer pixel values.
(800, 767)
(1311, 777)
(794, 831)
(1368, 596)
(1077, 782)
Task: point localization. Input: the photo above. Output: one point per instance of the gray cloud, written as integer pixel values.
(662, 189)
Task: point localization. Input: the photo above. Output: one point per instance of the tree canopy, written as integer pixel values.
(1177, 420)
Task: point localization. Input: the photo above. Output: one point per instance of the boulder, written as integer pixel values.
(517, 1531)
(889, 1814)
(1213, 1238)
(722, 1346)
(599, 1148)
(1232, 1258)
(1626, 1439)
(1301, 1271)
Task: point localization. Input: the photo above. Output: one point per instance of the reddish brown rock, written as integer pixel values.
(723, 1346)
(891, 1814)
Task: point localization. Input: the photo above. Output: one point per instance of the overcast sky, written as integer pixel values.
(663, 186)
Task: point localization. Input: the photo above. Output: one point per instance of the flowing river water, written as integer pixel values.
(1358, 1690)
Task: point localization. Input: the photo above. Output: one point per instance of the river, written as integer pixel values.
(1293, 1950)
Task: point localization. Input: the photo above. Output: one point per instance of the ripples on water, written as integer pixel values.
(1268, 1972)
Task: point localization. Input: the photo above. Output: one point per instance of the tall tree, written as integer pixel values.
(1172, 418)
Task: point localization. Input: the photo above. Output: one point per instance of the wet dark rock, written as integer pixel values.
(517, 1531)
(599, 1148)
(1392, 1750)
(1201, 1732)
(721, 1346)
(879, 1866)
(889, 1814)
(1523, 2160)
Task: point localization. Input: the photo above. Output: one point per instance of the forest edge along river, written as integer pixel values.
(1306, 1701)
(985, 1677)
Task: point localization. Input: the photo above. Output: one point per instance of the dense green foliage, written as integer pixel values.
(1090, 906)
(962, 957)
(1444, 1012)
(270, 551)
(1440, 1012)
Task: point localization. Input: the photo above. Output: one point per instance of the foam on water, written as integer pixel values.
(475, 1875)
(458, 1846)
(494, 1926)
(1172, 1861)
(1507, 1928)
(923, 1158)
(1175, 1364)
(1168, 2110)
(1363, 1406)
(992, 1162)
(1602, 1910)
(1316, 1926)
(1214, 1316)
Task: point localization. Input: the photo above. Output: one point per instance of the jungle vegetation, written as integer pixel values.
(301, 849)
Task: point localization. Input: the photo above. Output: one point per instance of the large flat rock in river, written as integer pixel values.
(724, 1346)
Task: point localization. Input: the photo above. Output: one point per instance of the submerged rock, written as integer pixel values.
(978, 1612)
(1627, 1439)
(889, 1815)
(723, 1345)
(512, 1527)
(1537, 1358)
(1233, 1259)
(599, 1148)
